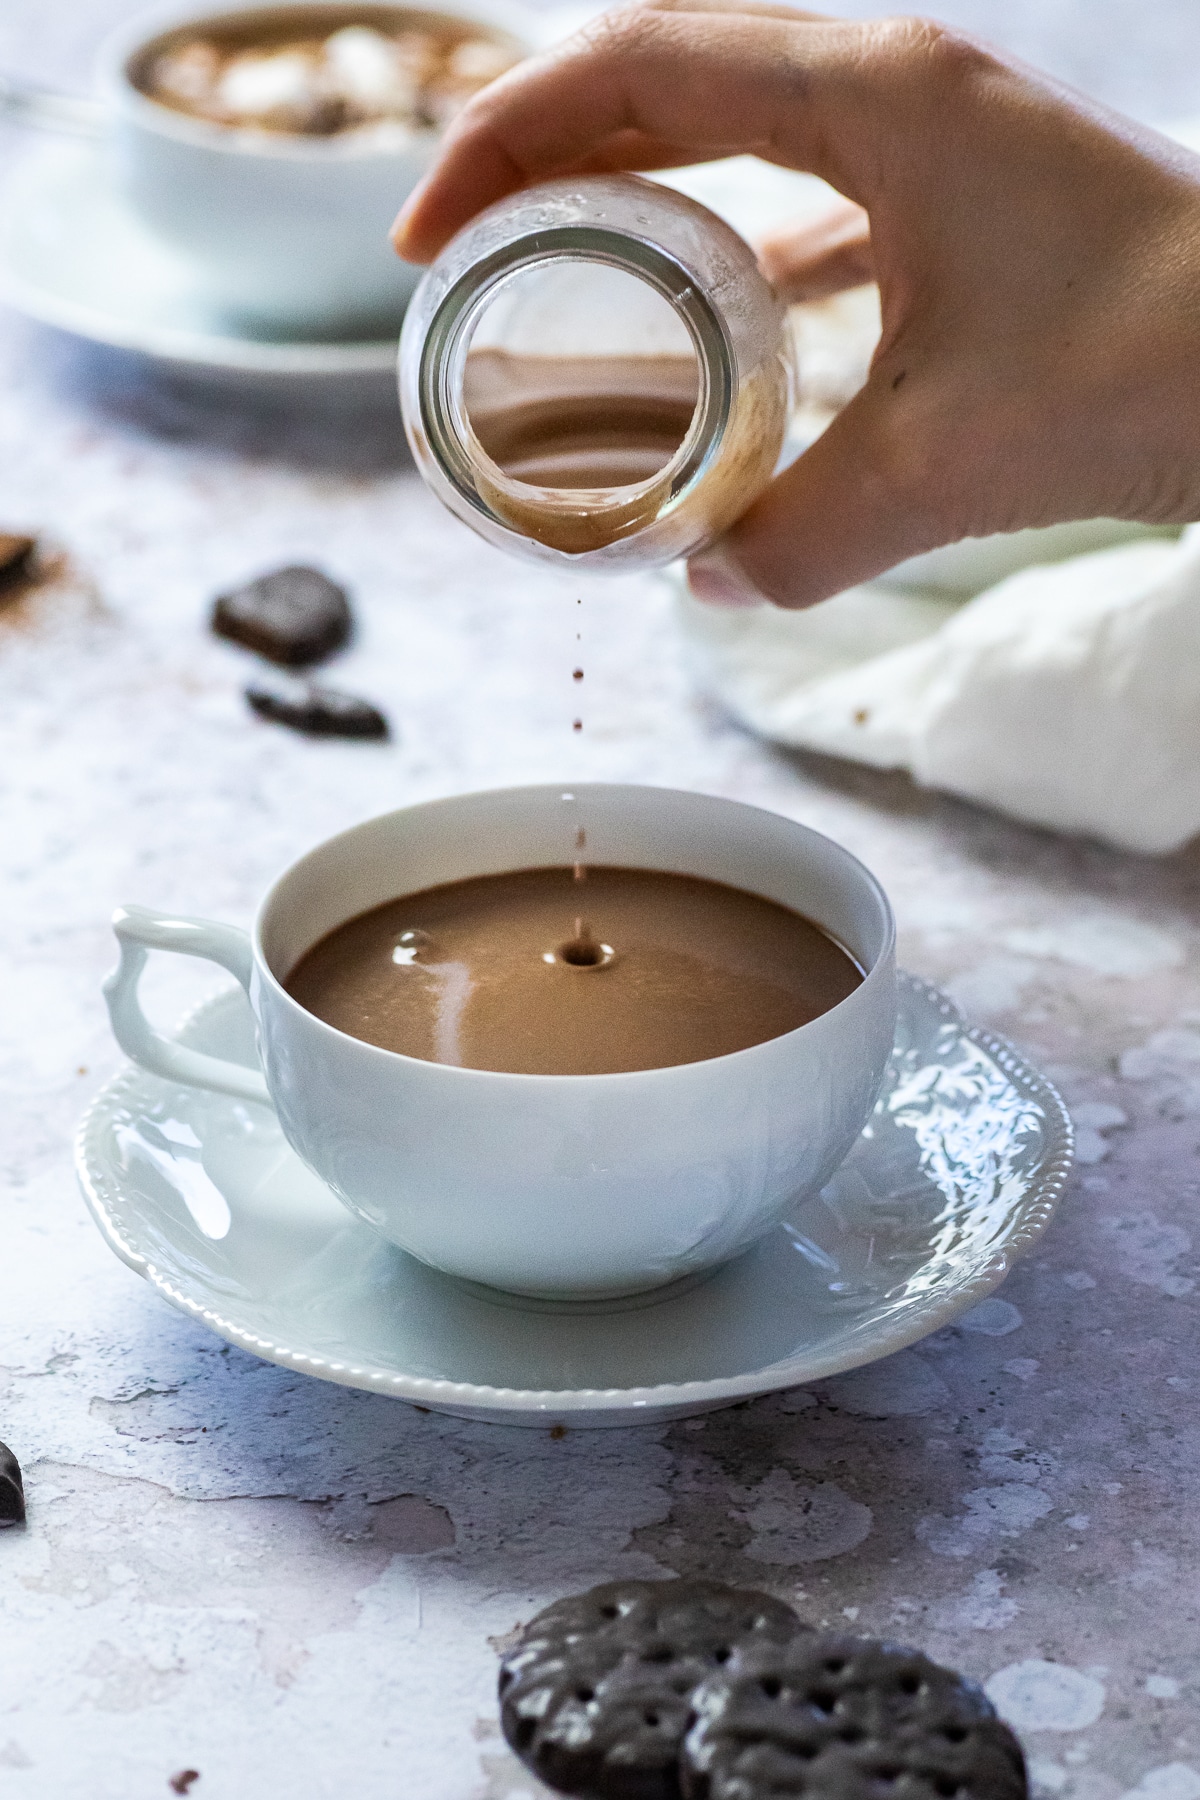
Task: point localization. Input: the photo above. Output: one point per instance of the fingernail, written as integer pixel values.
(712, 580)
(400, 224)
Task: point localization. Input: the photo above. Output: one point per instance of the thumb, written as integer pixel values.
(846, 510)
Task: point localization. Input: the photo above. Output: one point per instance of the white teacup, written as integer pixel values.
(563, 1187)
(284, 231)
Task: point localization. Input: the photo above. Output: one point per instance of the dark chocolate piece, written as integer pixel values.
(16, 556)
(12, 1489)
(293, 617)
(597, 1695)
(842, 1718)
(318, 711)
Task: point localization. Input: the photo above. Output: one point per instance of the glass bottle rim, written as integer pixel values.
(442, 365)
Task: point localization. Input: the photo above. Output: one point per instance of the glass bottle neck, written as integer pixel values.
(576, 518)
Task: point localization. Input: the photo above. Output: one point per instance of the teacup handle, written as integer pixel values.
(25, 103)
(140, 930)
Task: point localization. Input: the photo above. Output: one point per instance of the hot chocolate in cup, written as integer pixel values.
(556, 1187)
(287, 229)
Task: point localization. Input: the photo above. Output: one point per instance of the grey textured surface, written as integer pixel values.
(295, 1589)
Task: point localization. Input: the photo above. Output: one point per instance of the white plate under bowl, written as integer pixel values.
(72, 255)
(955, 1176)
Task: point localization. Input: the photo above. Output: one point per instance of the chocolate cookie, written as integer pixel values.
(318, 711)
(12, 1488)
(842, 1718)
(598, 1693)
(293, 617)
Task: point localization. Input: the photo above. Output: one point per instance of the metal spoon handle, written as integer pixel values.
(24, 103)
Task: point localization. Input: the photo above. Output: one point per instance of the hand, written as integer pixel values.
(1038, 261)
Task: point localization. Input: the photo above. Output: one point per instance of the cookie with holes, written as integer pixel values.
(840, 1718)
(597, 1695)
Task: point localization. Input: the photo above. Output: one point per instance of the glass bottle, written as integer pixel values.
(596, 373)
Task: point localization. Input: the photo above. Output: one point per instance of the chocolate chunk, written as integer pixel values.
(318, 711)
(293, 617)
(12, 1489)
(841, 1718)
(597, 1695)
(16, 556)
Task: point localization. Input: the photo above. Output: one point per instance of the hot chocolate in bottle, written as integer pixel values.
(595, 373)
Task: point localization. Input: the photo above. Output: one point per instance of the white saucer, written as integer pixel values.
(73, 256)
(957, 1174)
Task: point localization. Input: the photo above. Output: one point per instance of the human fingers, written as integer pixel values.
(627, 151)
(639, 150)
(765, 9)
(844, 512)
(698, 86)
(821, 257)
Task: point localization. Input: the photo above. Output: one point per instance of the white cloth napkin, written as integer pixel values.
(1067, 695)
